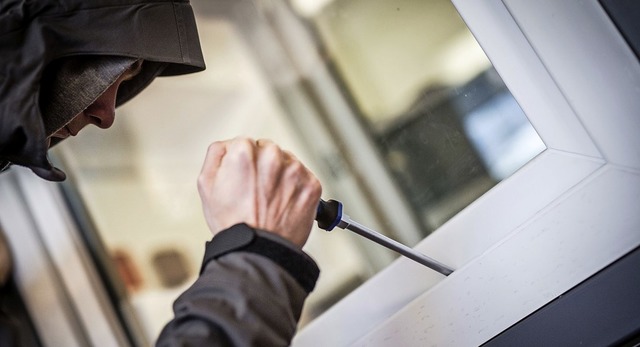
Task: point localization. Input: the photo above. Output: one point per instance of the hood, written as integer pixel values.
(35, 35)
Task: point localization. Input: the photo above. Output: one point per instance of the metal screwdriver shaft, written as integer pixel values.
(330, 215)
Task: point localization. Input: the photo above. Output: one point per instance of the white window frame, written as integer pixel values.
(54, 273)
(560, 219)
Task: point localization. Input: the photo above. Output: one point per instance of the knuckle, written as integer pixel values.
(244, 143)
(311, 188)
(214, 147)
(297, 168)
(245, 140)
(243, 149)
(315, 188)
(271, 151)
(264, 142)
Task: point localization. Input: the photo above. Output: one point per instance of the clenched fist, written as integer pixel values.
(258, 183)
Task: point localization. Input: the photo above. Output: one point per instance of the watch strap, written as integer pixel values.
(243, 238)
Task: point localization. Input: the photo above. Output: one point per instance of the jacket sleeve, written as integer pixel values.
(250, 293)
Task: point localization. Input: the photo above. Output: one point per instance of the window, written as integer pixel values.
(392, 103)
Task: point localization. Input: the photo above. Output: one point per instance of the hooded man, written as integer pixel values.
(58, 57)
(66, 64)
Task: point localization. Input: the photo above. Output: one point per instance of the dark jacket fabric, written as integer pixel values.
(34, 34)
(250, 294)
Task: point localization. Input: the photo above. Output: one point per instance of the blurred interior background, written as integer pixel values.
(392, 103)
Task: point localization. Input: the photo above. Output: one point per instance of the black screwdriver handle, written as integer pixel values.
(329, 214)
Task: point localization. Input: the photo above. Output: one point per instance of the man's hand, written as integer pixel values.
(258, 183)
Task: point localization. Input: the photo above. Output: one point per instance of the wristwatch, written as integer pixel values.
(243, 238)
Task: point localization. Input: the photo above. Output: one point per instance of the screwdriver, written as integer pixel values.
(330, 215)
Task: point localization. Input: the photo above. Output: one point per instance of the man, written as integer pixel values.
(69, 63)
(58, 56)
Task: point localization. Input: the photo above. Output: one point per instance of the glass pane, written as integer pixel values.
(441, 116)
(436, 112)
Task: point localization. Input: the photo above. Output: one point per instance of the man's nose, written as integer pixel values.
(102, 112)
(101, 117)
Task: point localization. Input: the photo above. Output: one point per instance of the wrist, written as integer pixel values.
(243, 238)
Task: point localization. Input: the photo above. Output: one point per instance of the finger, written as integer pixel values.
(241, 153)
(302, 205)
(214, 155)
(293, 178)
(240, 175)
(270, 159)
(215, 152)
(206, 179)
(307, 189)
(270, 165)
(263, 142)
(289, 156)
(239, 163)
(311, 192)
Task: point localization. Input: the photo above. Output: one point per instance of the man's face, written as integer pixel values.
(101, 112)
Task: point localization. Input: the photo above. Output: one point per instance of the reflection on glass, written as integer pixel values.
(456, 143)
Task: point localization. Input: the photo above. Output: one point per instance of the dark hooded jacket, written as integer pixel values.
(35, 34)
